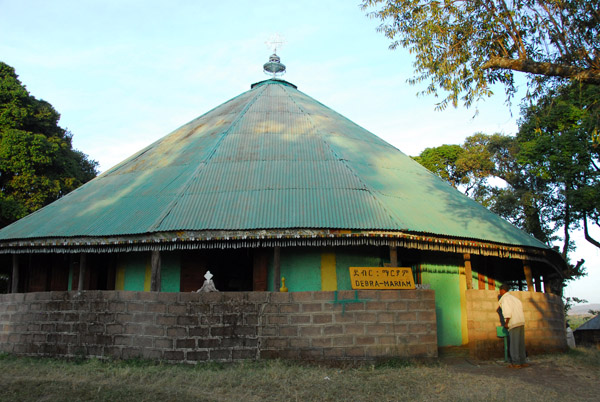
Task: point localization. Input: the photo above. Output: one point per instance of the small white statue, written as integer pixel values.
(208, 285)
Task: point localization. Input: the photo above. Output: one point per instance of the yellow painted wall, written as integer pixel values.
(328, 271)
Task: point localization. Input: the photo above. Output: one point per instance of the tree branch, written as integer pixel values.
(587, 235)
(589, 76)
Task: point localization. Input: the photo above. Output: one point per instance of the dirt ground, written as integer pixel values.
(574, 382)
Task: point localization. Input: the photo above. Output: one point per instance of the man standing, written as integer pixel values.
(514, 321)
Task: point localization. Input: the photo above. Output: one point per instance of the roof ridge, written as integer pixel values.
(202, 164)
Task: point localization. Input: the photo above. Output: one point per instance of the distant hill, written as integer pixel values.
(582, 309)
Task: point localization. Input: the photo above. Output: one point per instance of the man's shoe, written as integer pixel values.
(525, 365)
(514, 366)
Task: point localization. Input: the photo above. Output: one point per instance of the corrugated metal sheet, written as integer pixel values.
(271, 158)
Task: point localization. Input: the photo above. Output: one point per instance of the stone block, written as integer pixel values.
(219, 354)
(333, 330)
(397, 305)
(324, 295)
(144, 318)
(211, 319)
(333, 353)
(189, 343)
(299, 342)
(417, 328)
(275, 343)
(356, 351)
(122, 340)
(152, 354)
(426, 316)
(142, 341)
(377, 329)
(134, 329)
(352, 306)
(289, 308)
(199, 331)
(166, 320)
(156, 308)
(354, 329)
(187, 320)
(243, 354)
(234, 297)
(244, 330)
(167, 297)
(177, 332)
(250, 319)
(312, 307)
(280, 297)
(302, 296)
(198, 308)
(322, 318)
(364, 340)
(114, 329)
(288, 330)
(308, 354)
(177, 309)
(366, 317)
(221, 331)
(310, 331)
(345, 317)
(385, 318)
(321, 342)
(154, 330)
(173, 355)
(271, 308)
(163, 343)
(258, 297)
(277, 319)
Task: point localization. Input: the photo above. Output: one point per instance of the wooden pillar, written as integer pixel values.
(538, 284)
(491, 273)
(528, 277)
(82, 270)
(547, 288)
(260, 267)
(276, 268)
(468, 273)
(480, 281)
(393, 256)
(155, 272)
(15, 274)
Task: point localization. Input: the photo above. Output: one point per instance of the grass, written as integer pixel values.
(42, 379)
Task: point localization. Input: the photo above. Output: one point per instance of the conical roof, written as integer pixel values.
(271, 158)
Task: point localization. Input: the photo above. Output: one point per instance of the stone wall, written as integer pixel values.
(224, 326)
(544, 323)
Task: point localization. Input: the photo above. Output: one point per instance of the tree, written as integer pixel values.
(555, 142)
(464, 46)
(37, 162)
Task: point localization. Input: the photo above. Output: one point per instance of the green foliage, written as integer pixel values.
(37, 162)
(464, 47)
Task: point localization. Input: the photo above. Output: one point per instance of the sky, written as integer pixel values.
(124, 73)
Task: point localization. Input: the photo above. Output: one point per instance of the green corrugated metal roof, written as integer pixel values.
(270, 158)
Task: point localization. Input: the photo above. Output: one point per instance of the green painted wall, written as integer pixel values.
(444, 279)
(354, 257)
(301, 268)
(170, 271)
(135, 270)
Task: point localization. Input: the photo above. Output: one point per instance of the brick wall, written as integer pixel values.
(544, 323)
(224, 326)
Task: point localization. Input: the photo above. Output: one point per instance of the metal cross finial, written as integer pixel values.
(275, 41)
